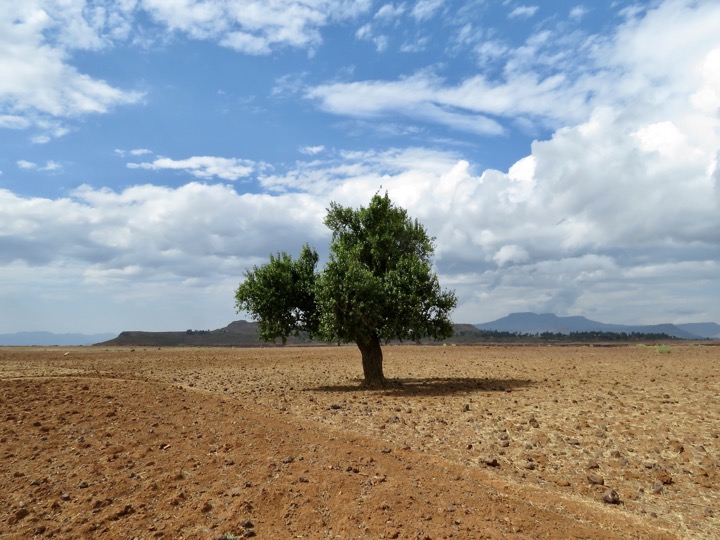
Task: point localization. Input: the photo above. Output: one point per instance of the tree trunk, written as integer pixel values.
(372, 360)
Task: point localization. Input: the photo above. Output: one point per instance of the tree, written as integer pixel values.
(377, 286)
(281, 295)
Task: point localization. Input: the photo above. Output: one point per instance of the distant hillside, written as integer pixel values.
(48, 339)
(245, 334)
(235, 334)
(534, 323)
(709, 330)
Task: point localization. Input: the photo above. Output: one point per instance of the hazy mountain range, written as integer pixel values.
(534, 323)
(245, 333)
(50, 339)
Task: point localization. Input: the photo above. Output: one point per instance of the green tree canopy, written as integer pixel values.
(377, 286)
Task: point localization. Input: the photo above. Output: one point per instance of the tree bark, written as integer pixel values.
(372, 360)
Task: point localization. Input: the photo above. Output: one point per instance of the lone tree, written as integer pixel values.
(377, 286)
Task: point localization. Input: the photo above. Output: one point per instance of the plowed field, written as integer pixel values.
(468, 442)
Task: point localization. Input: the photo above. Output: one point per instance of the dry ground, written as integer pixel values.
(476, 442)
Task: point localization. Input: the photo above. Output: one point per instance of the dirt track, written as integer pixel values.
(477, 442)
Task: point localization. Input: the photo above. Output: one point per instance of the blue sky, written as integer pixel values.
(563, 154)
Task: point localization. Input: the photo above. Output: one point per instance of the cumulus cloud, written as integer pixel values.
(537, 210)
(626, 191)
(48, 86)
(140, 254)
(558, 231)
(205, 167)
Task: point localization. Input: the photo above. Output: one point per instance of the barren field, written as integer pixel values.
(473, 442)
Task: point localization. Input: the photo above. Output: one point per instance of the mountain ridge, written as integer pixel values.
(50, 339)
(537, 323)
(243, 333)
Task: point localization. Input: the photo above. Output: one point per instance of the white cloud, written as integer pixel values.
(523, 12)
(51, 166)
(367, 33)
(578, 12)
(23, 164)
(390, 11)
(254, 27)
(364, 32)
(416, 45)
(538, 210)
(655, 64)
(665, 139)
(36, 80)
(204, 167)
(381, 43)
(134, 152)
(490, 51)
(603, 205)
(194, 231)
(426, 9)
(707, 97)
(48, 167)
(511, 254)
(560, 230)
(312, 150)
(11, 121)
(48, 31)
(464, 107)
(659, 58)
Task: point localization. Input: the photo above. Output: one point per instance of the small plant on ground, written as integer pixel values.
(663, 349)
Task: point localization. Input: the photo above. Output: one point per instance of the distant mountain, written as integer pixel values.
(709, 330)
(235, 334)
(49, 339)
(534, 323)
(245, 334)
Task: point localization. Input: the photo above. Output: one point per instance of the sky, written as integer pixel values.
(564, 155)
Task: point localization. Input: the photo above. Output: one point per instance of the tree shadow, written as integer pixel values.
(432, 386)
